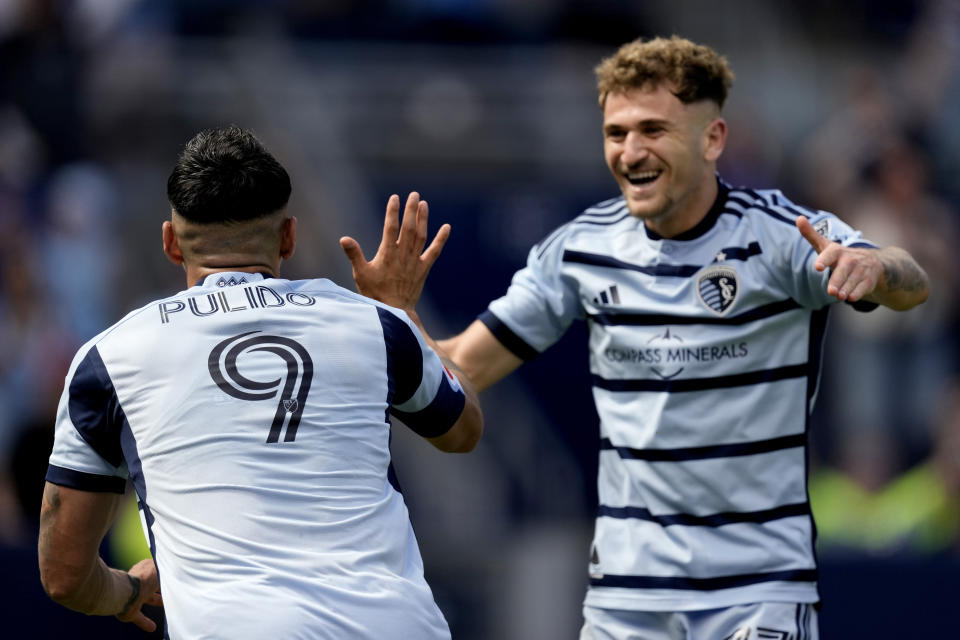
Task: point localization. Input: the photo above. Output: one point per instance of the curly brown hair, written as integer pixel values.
(694, 71)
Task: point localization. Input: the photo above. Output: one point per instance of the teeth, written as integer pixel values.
(642, 175)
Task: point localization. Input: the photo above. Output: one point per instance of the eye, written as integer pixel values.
(653, 130)
(616, 135)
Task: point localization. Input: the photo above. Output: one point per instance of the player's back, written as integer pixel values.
(258, 443)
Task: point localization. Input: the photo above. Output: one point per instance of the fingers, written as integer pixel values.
(829, 257)
(851, 280)
(423, 214)
(433, 251)
(144, 622)
(413, 229)
(855, 272)
(408, 234)
(391, 222)
(817, 241)
(860, 290)
(354, 253)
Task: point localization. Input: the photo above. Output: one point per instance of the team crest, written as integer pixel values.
(718, 287)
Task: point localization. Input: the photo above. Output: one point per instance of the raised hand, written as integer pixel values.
(856, 272)
(398, 271)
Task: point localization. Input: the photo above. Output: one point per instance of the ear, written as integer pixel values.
(288, 237)
(714, 139)
(171, 243)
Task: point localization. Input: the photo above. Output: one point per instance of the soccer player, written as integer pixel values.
(706, 306)
(252, 415)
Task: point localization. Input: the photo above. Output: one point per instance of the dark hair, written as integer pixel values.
(226, 175)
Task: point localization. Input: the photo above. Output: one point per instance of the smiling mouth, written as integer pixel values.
(640, 178)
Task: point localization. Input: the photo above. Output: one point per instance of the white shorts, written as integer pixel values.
(761, 621)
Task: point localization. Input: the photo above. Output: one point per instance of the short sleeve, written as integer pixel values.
(810, 285)
(86, 451)
(540, 303)
(424, 394)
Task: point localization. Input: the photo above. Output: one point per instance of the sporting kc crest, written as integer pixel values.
(718, 287)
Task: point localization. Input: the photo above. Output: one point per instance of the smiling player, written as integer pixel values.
(706, 306)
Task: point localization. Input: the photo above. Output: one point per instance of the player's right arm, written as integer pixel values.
(889, 276)
(480, 355)
(72, 526)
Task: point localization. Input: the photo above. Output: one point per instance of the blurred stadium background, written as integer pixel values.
(487, 107)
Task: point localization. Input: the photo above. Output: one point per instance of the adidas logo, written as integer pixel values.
(608, 295)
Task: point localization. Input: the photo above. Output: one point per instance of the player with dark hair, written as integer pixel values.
(252, 416)
(706, 306)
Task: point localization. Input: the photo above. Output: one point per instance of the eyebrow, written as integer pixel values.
(642, 123)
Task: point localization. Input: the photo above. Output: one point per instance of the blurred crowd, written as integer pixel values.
(851, 110)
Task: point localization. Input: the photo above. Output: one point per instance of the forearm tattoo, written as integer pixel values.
(902, 273)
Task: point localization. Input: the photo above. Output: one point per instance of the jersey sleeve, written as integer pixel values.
(540, 303)
(810, 285)
(805, 284)
(86, 449)
(424, 394)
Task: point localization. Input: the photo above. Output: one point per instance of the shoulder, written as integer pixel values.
(768, 206)
(329, 291)
(601, 219)
(88, 366)
(118, 329)
(773, 215)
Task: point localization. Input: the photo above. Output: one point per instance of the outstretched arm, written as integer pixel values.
(888, 276)
(72, 525)
(478, 352)
(396, 276)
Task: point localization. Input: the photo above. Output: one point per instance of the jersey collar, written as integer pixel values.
(704, 225)
(222, 279)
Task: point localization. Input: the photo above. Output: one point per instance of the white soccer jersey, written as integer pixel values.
(252, 416)
(705, 356)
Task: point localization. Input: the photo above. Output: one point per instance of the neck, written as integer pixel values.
(196, 273)
(688, 213)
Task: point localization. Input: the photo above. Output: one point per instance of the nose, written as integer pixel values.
(634, 150)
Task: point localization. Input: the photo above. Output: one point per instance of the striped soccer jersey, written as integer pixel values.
(704, 357)
(252, 417)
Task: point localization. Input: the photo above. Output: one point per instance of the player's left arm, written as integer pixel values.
(888, 276)
(72, 526)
